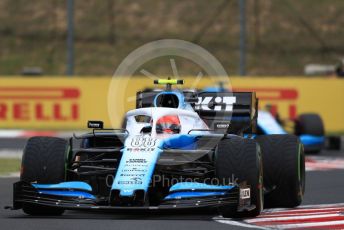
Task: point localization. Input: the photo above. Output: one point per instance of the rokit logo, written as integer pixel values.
(216, 103)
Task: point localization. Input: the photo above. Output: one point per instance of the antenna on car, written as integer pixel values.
(168, 82)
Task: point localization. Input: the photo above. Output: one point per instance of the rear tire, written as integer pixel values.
(284, 170)
(240, 158)
(43, 162)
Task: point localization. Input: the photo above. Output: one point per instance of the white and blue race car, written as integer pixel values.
(177, 150)
(308, 127)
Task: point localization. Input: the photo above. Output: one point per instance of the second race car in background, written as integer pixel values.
(309, 127)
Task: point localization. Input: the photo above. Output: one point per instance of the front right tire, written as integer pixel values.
(240, 158)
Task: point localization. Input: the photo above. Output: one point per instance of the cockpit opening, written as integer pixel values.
(167, 100)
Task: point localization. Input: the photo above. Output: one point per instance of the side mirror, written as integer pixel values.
(146, 129)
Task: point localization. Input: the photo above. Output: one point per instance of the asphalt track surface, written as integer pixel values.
(322, 187)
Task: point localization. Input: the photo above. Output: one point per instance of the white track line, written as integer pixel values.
(236, 223)
(301, 210)
(329, 224)
(296, 214)
(303, 207)
(281, 214)
(10, 175)
(257, 220)
(11, 153)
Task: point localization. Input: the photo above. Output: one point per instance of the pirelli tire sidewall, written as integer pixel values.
(284, 170)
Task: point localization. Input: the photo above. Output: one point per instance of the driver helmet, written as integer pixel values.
(168, 124)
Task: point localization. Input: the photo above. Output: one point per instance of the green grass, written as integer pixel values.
(278, 42)
(9, 165)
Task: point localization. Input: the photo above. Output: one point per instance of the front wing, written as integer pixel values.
(26, 193)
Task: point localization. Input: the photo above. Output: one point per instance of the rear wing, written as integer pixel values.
(236, 112)
(224, 111)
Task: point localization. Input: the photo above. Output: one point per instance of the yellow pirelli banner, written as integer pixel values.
(61, 103)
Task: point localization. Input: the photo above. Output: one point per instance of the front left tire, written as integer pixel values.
(43, 162)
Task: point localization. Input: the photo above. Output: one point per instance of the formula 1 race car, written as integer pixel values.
(309, 127)
(178, 150)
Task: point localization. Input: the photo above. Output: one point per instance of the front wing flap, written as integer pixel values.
(25, 193)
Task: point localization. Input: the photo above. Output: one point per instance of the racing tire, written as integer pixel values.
(240, 158)
(43, 162)
(284, 170)
(309, 123)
